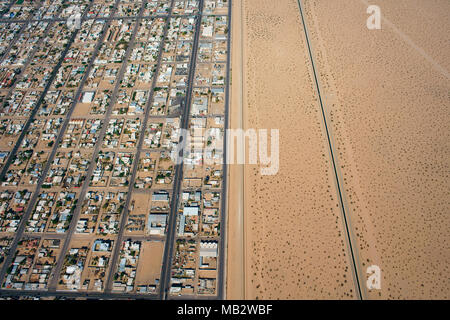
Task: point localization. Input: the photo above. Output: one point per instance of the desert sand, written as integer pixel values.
(387, 105)
(293, 238)
(387, 95)
(235, 268)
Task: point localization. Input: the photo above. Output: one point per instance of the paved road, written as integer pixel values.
(116, 252)
(241, 202)
(154, 16)
(166, 266)
(221, 287)
(62, 236)
(30, 119)
(25, 217)
(98, 145)
(8, 7)
(168, 249)
(30, 57)
(340, 190)
(92, 295)
(17, 35)
(75, 294)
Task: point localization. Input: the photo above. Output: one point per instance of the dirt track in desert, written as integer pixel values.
(389, 104)
(386, 100)
(294, 237)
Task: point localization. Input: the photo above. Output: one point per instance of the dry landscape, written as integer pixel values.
(114, 118)
(386, 101)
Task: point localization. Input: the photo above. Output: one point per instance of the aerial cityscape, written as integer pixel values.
(92, 200)
(134, 159)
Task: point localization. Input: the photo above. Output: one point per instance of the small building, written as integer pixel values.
(190, 211)
(88, 97)
(160, 196)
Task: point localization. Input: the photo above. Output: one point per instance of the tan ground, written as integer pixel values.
(149, 267)
(82, 109)
(235, 242)
(388, 111)
(294, 237)
(141, 203)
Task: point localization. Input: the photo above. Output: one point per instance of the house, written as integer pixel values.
(160, 196)
(88, 97)
(190, 211)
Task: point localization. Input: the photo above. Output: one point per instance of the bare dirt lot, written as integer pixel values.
(150, 262)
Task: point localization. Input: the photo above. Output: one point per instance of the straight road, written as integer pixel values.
(98, 145)
(8, 7)
(36, 46)
(7, 293)
(168, 249)
(116, 253)
(340, 190)
(221, 289)
(166, 266)
(26, 216)
(22, 28)
(236, 191)
(30, 119)
(154, 16)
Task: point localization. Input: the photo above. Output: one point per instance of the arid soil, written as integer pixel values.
(387, 104)
(294, 237)
(388, 97)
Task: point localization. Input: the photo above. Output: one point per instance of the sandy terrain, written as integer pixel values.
(141, 202)
(149, 267)
(81, 110)
(235, 273)
(386, 101)
(294, 237)
(388, 98)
